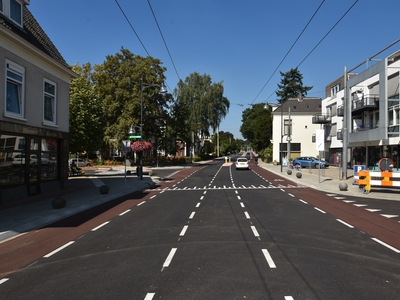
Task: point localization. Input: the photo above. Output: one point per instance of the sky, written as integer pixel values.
(244, 44)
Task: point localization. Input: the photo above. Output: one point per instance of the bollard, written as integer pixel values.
(343, 186)
(58, 202)
(104, 189)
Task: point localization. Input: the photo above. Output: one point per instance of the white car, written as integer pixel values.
(79, 162)
(242, 163)
(19, 159)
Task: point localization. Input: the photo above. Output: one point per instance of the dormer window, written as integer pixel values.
(13, 10)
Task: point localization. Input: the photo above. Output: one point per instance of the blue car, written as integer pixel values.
(309, 162)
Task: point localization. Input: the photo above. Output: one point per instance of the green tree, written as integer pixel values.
(291, 85)
(257, 126)
(200, 106)
(86, 123)
(119, 81)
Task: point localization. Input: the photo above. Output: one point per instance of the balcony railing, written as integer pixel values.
(394, 130)
(340, 111)
(321, 119)
(339, 135)
(366, 102)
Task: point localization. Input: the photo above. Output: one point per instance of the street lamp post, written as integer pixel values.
(281, 145)
(142, 88)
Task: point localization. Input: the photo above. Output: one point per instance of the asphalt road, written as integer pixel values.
(211, 232)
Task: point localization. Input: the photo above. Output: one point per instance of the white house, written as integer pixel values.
(299, 140)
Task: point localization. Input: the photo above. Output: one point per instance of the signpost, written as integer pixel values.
(320, 146)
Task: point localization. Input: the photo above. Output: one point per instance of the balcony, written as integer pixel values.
(367, 102)
(393, 130)
(340, 111)
(321, 119)
(339, 135)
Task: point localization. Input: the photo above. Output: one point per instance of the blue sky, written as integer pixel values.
(238, 42)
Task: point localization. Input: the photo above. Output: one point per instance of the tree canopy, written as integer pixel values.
(199, 107)
(128, 86)
(257, 126)
(86, 123)
(291, 85)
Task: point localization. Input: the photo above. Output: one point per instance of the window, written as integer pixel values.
(14, 90)
(335, 89)
(49, 102)
(13, 10)
(16, 12)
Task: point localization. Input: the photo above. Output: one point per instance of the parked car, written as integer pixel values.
(19, 159)
(79, 162)
(309, 162)
(242, 163)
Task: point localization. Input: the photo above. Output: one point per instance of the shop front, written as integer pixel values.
(31, 162)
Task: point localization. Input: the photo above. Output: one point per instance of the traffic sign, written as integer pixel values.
(135, 137)
(320, 140)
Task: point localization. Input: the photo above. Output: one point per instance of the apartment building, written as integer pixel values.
(34, 110)
(372, 115)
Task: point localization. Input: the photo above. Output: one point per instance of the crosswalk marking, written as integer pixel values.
(195, 188)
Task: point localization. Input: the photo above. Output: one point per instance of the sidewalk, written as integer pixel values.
(84, 193)
(328, 180)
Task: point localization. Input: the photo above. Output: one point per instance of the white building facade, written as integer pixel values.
(370, 117)
(297, 137)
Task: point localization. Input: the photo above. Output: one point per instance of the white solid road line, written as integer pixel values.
(59, 249)
(269, 259)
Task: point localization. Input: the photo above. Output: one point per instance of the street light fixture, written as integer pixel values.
(144, 86)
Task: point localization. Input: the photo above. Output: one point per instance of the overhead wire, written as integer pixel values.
(133, 29)
(320, 41)
(287, 53)
(327, 33)
(162, 36)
